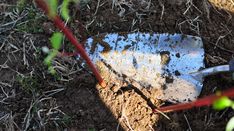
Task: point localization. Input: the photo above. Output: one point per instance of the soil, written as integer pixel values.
(122, 106)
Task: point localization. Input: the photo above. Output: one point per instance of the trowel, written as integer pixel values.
(172, 63)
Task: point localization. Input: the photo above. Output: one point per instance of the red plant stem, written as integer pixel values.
(60, 24)
(42, 4)
(206, 101)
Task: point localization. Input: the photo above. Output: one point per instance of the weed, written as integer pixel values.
(21, 4)
(66, 119)
(32, 21)
(28, 84)
(91, 129)
(40, 115)
(50, 8)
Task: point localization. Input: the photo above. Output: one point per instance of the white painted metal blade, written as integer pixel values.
(161, 61)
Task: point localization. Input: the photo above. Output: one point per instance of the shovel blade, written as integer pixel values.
(162, 61)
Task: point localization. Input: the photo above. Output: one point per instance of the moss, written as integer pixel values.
(21, 5)
(28, 84)
(33, 21)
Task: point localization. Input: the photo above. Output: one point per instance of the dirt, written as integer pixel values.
(223, 4)
(132, 108)
(165, 57)
(119, 106)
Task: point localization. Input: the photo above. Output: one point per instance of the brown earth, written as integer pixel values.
(131, 108)
(121, 106)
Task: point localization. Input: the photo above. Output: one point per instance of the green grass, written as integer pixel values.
(32, 21)
(28, 83)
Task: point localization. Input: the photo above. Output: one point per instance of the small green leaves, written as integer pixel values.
(49, 58)
(53, 5)
(48, 61)
(52, 70)
(56, 40)
(230, 124)
(21, 4)
(232, 106)
(65, 10)
(222, 103)
(91, 129)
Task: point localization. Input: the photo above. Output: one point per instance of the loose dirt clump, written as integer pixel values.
(165, 57)
(223, 4)
(131, 106)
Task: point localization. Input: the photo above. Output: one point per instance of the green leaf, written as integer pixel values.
(49, 58)
(52, 70)
(53, 5)
(222, 103)
(230, 124)
(21, 4)
(91, 129)
(65, 10)
(76, 1)
(232, 106)
(56, 40)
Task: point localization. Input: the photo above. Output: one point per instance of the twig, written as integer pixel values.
(134, 21)
(223, 113)
(220, 47)
(216, 59)
(232, 2)
(152, 129)
(124, 114)
(194, 24)
(27, 117)
(189, 4)
(98, 4)
(5, 84)
(52, 92)
(221, 37)
(87, 25)
(24, 55)
(163, 114)
(190, 129)
(163, 8)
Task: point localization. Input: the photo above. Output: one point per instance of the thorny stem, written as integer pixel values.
(206, 101)
(67, 32)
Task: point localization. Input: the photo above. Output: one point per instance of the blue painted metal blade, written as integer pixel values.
(151, 59)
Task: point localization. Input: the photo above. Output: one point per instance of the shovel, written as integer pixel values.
(172, 63)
